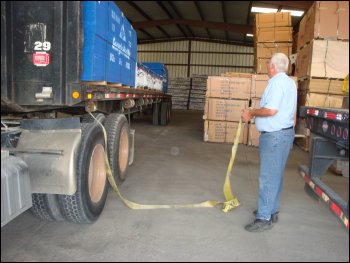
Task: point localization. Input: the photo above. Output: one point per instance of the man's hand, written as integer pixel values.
(246, 115)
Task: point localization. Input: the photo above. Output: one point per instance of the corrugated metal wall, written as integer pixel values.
(184, 58)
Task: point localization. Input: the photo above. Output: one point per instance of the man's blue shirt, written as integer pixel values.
(281, 95)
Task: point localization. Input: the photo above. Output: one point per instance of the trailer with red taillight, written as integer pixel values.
(330, 142)
(60, 62)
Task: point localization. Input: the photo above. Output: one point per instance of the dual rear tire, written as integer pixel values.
(162, 113)
(86, 205)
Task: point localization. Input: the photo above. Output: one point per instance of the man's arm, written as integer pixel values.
(248, 114)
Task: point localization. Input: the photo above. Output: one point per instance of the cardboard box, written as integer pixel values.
(273, 20)
(343, 22)
(223, 131)
(224, 109)
(259, 84)
(255, 103)
(236, 75)
(274, 34)
(227, 87)
(295, 42)
(253, 135)
(261, 67)
(325, 86)
(345, 104)
(323, 58)
(319, 100)
(325, 19)
(266, 50)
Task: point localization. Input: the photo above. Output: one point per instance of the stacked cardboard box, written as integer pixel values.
(325, 20)
(322, 53)
(198, 90)
(179, 88)
(226, 97)
(322, 58)
(259, 83)
(273, 33)
(320, 93)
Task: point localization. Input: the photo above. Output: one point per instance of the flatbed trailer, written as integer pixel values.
(330, 129)
(52, 149)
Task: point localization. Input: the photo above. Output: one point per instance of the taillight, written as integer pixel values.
(345, 133)
(312, 112)
(333, 116)
(339, 132)
(333, 130)
(325, 126)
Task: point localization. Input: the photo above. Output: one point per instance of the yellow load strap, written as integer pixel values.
(230, 203)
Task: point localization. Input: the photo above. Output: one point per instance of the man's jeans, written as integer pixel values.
(274, 148)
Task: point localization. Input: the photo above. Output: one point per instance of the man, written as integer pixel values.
(275, 121)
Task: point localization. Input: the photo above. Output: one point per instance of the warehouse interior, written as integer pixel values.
(174, 166)
(185, 162)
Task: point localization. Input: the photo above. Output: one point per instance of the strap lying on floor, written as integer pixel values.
(230, 203)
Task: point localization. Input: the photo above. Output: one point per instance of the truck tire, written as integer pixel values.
(118, 144)
(86, 118)
(171, 109)
(46, 207)
(87, 203)
(164, 113)
(156, 119)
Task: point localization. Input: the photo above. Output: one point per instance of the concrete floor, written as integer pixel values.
(173, 166)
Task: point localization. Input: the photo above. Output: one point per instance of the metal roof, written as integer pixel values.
(222, 21)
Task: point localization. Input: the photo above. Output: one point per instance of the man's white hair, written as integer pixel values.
(280, 61)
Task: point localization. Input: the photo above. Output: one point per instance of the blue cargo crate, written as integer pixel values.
(130, 38)
(95, 18)
(160, 69)
(133, 73)
(115, 20)
(128, 70)
(113, 65)
(120, 32)
(134, 44)
(110, 45)
(94, 58)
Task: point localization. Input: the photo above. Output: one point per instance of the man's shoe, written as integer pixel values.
(274, 217)
(259, 225)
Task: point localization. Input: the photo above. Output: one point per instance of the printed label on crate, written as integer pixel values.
(41, 59)
(121, 49)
